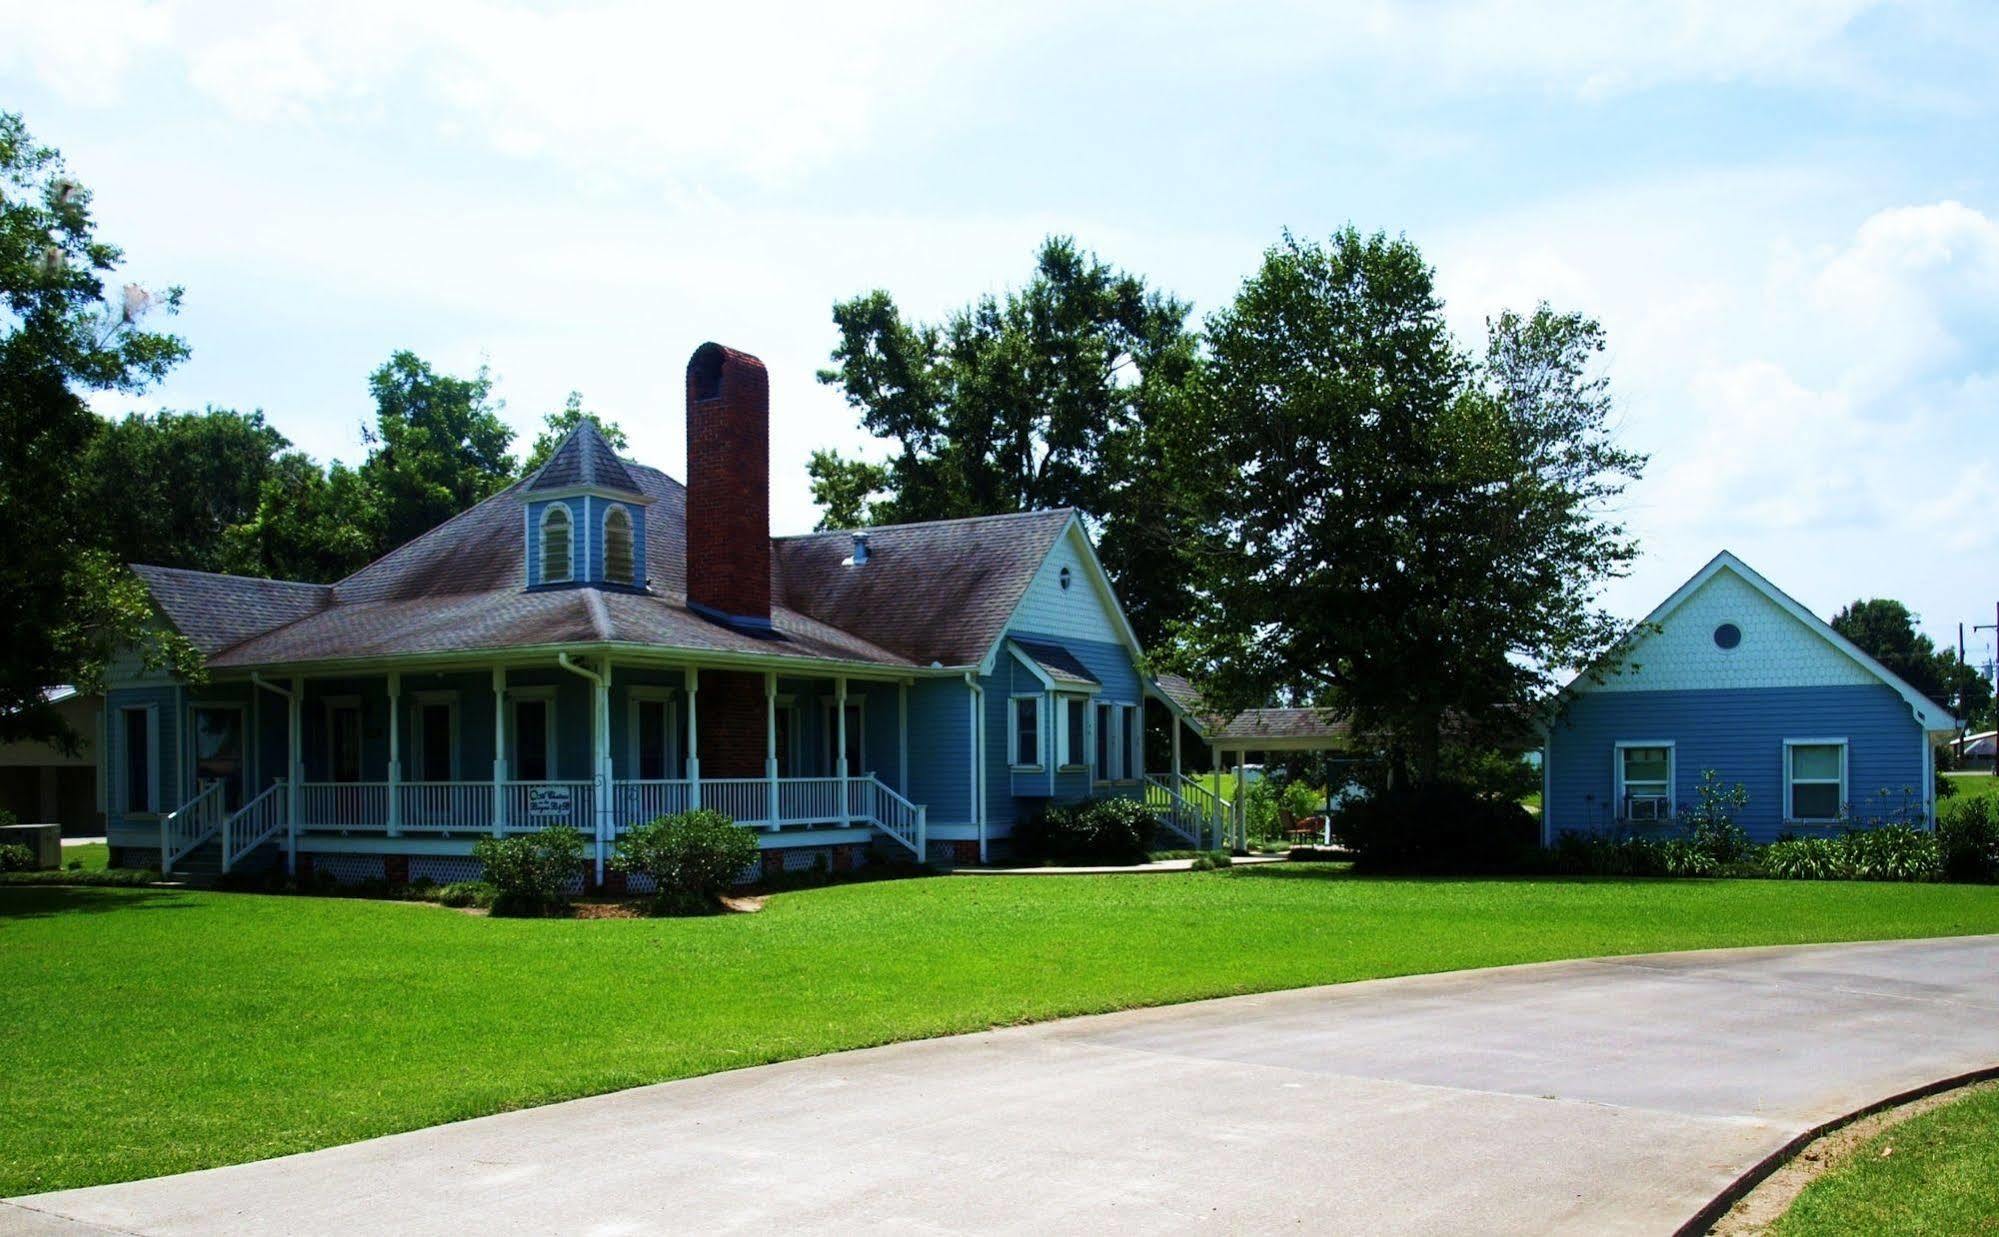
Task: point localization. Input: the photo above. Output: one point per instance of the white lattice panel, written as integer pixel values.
(349, 869)
(445, 869)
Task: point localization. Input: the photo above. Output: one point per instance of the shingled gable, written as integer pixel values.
(937, 593)
(583, 461)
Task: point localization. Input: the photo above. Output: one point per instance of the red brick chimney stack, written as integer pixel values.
(728, 484)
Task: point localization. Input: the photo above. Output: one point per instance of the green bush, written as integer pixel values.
(1211, 861)
(1893, 853)
(465, 893)
(1593, 854)
(693, 858)
(1109, 830)
(1710, 823)
(1439, 828)
(1968, 840)
(528, 872)
(1807, 859)
(15, 857)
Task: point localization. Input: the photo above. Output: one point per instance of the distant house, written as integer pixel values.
(1730, 674)
(41, 784)
(1976, 750)
(599, 644)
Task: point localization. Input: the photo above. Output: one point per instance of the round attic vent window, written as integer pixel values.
(1727, 636)
(1064, 577)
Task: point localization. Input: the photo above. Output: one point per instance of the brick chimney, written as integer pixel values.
(728, 485)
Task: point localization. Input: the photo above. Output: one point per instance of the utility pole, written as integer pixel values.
(1992, 627)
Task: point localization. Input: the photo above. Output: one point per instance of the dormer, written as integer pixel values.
(586, 518)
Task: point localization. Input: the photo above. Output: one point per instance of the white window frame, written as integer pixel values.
(634, 698)
(450, 700)
(516, 697)
(191, 778)
(1790, 782)
(1067, 759)
(631, 538)
(1617, 776)
(1014, 753)
(329, 705)
(1134, 742)
(152, 808)
(569, 574)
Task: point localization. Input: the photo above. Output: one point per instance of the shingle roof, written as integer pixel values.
(1057, 662)
(1253, 724)
(937, 592)
(583, 460)
(930, 593)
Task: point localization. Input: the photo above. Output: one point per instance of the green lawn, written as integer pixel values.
(1941, 1175)
(158, 1030)
(1973, 786)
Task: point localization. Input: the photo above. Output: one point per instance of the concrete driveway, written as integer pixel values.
(1601, 1096)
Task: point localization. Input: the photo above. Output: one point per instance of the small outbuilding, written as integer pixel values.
(1732, 675)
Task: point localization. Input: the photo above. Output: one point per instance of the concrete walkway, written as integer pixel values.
(1601, 1097)
(1127, 869)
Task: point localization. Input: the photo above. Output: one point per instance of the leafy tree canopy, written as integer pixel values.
(64, 604)
(557, 425)
(165, 489)
(1049, 395)
(1408, 533)
(438, 445)
(1885, 630)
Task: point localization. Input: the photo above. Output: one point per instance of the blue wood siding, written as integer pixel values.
(165, 702)
(1740, 734)
(940, 749)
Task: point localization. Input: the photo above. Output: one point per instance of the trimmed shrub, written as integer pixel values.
(1212, 861)
(1968, 840)
(16, 858)
(529, 872)
(1893, 853)
(1439, 828)
(1807, 859)
(1109, 830)
(465, 893)
(692, 857)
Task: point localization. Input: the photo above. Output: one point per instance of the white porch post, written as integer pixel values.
(600, 759)
(499, 751)
(770, 741)
(294, 771)
(902, 738)
(395, 753)
(1241, 804)
(1173, 720)
(840, 729)
(693, 740)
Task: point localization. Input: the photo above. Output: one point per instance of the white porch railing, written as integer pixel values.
(1171, 810)
(445, 807)
(745, 800)
(532, 806)
(254, 824)
(1210, 807)
(803, 799)
(635, 803)
(196, 821)
(888, 811)
(343, 805)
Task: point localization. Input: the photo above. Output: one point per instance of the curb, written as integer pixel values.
(1710, 1215)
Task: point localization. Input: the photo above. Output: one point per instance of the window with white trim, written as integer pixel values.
(1026, 731)
(1073, 735)
(1100, 768)
(1644, 781)
(619, 567)
(1814, 780)
(557, 558)
(533, 727)
(1134, 740)
(653, 730)
(434, 736)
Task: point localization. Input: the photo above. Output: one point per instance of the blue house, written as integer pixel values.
(597, 645)
(1730, 674)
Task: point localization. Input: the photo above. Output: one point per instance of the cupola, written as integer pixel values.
(586, 523)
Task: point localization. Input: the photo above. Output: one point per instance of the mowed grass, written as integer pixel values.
(1972, 786)
(154, 1030)
(1937, 1173)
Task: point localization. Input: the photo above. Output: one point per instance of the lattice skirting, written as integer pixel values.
(445, 869)
(350, 869)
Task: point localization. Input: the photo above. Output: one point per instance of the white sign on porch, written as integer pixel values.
(545, 802)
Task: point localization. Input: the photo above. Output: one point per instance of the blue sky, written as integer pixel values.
(1785, 214)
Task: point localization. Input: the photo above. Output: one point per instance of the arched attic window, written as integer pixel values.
(557, 560)
(618, 565)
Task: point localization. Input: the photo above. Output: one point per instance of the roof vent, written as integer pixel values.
(860, 554)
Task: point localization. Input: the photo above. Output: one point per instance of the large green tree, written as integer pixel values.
(166, 488)
(438, 446)
(1049, 395)
(1885, 629)
(63, 603)
(1409, 534)
(310, 523)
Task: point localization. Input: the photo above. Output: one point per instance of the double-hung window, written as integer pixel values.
(136, 738)
(1027, 732)
(1072, 736)
(1814, 780)
(1644, 781)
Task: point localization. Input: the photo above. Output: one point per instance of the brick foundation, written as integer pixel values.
(396, 869)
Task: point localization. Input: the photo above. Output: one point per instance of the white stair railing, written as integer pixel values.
(192, 824)
(888, 811)
(1210, 808)
(1171, 810)
(254, 824)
